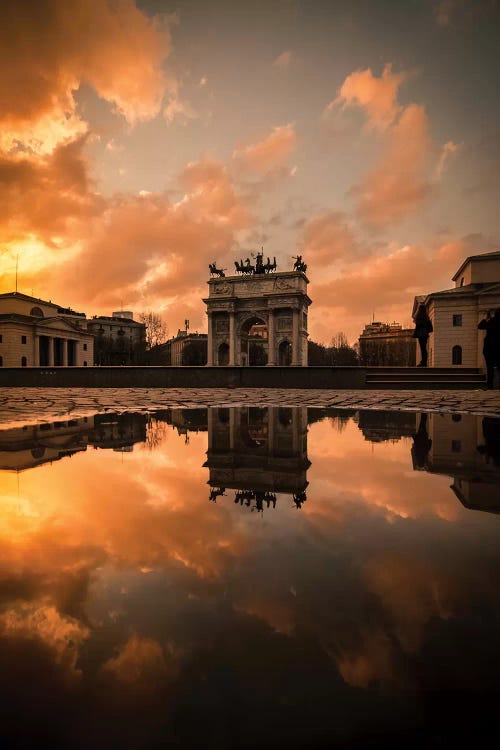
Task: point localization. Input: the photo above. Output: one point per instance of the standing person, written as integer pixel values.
(491, 344)
(423, 327)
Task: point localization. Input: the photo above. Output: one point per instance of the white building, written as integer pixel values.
(455, 313)
(37, 333)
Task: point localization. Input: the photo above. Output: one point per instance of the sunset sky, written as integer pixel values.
(142, 139)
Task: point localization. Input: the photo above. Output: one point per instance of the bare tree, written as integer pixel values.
(156, 328)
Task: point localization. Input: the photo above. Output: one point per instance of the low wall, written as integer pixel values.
(183, 377)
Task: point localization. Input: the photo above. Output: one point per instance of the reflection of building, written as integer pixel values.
(387, 344)
(32, 445)
(119, 339)
(258, 320)
(36, 333)
(467, 448)
(258, 452)
(381, 426)
(455, 313)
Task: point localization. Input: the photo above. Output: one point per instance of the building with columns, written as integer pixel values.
(258, 320)
(37, 333)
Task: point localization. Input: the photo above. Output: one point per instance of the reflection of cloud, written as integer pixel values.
(140, 664)
(39, 620)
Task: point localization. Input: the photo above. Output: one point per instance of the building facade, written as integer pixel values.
(119, 339)
(258, 320)
(37, 333)
(455, 313)
(387, 344)
(184, 350)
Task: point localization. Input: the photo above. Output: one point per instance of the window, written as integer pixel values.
(85, 347)
(85, 363)
(23, 339)
(1, 361)
(1, 338)
(24, 362)
(456, 446)
(36, 312)
(457, 321)
(456, 355)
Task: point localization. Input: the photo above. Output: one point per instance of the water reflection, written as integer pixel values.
(136, 613)
(259, 453)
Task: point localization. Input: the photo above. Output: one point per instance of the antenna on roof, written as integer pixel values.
(17, 266)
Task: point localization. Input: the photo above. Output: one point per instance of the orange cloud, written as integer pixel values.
(400, 183)
(329, 237)
(387, 285)
(270, 153)
(48, 49)
(377, 96)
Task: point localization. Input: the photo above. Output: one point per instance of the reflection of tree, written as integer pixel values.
(156, 431)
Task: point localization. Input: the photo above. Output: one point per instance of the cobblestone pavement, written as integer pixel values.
(33, 405)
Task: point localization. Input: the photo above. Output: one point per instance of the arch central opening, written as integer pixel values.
(254, 342)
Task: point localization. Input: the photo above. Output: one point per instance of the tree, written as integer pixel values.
(156, 328)
(343, 355)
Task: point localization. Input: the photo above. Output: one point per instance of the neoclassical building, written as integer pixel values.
(258, 320)
(37, 333)
(455, 313)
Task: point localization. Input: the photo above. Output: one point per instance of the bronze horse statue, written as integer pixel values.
(214, 271)
(260, 266)
(299, 265)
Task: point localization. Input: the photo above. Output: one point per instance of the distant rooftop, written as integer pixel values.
(28, 298)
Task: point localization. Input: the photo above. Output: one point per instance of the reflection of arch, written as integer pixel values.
(38, 452)
(285, 353)
(223, 354)
(36, 312)
(456, 355)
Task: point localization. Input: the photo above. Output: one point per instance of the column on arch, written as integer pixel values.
(232, 339)
(295, 337)
(50, 348)
(271, 339)
(210, 342)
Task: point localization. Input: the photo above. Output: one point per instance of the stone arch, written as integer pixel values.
(37, 312)
(252, 340)
(223, 354)
(285, 353)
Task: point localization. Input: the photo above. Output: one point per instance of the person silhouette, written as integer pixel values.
(491, 433)
(491, 344)
(423, 327)
(421, 444)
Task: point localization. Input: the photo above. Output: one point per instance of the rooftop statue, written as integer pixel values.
(214, 271)
(299, 264)
(259, 268)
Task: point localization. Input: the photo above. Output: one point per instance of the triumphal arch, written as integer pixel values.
(258, 316)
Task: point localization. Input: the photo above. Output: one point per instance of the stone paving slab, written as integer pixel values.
(36, 405)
